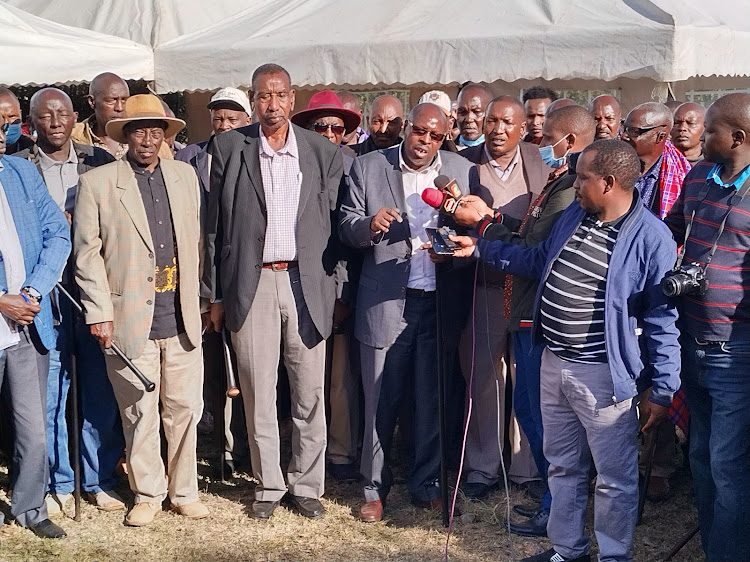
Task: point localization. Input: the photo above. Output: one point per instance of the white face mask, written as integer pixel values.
(548, 155)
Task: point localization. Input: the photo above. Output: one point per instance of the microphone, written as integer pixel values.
(448, 186)
(440, 200)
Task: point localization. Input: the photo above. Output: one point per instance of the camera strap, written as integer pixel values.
(734, 200)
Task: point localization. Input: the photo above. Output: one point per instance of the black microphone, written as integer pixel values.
(448, 186)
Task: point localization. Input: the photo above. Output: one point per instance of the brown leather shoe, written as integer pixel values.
(658, 489)
(371, 511)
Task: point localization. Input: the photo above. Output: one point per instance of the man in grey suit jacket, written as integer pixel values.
(384, 215)
(270, 257)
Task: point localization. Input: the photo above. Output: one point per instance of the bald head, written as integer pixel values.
(647, 129)
(470, 111)
(107, 95)
(573, 119)
(386, 121)
(557, 104)
(650, 114)
(607, 114)
(10, 109)
(429, 111)
(40, 99)
(726, 138)
(687, 129)
(52, 117)
(349, 101)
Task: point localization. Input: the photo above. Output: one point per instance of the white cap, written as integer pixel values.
(440, 99)
(231, 95)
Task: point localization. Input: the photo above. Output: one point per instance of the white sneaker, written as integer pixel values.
(58, 504)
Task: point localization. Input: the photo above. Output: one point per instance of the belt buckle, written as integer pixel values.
(279, 266)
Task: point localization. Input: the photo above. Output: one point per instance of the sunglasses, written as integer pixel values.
(635, 132)
(321, 128)
(420, 132)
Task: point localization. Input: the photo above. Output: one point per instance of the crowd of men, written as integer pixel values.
(302, 242)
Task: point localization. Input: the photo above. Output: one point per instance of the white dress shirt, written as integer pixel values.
(420, 216)
(282, 180)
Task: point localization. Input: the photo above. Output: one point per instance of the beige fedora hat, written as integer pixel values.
(142, 107)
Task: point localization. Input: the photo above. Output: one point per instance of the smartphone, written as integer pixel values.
(441, 244)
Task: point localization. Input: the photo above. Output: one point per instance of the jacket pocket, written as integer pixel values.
(225, 251)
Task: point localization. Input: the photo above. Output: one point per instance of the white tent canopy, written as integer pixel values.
(149, 22)
(198, 45)
(347, 42)
(38, 51)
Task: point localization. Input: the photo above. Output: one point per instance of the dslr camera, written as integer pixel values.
(685, 280)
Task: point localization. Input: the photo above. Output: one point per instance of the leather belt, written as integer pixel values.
(280, 265)
(420, 293)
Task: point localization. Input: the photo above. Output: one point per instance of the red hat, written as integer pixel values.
(323, 104)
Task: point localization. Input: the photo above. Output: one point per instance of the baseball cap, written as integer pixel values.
(231, 96)
(441, 99)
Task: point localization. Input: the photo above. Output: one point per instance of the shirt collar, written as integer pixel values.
(494, 164)
(654, 170)
(46, 162)
(290, 146)
(715, 176)
(1, 165)
(435, 165)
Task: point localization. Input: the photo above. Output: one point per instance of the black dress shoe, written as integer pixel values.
(46, 529)
(527, 510)
(477, 490)
(344, 472)
(534, 527)
(309, 507)
(552, 556)
(263, 509)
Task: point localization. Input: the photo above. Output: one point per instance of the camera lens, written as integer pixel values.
(672, 286)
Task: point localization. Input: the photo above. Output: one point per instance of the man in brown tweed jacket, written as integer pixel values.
(137, 265)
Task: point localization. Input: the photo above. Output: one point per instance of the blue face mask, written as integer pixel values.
(465, 142)
(13, 133)
(548, 155)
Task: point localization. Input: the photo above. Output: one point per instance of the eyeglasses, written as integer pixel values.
(320, 128)
(420, 132)
(635, 132)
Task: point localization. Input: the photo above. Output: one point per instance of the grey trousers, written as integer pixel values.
(279, 317)
(580, 422)
(25, 369)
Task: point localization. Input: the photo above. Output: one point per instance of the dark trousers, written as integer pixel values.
(387, 374)
(24, 368)
(717, 386)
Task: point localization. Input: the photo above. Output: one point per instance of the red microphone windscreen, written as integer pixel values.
(441, 181)
(433, 197)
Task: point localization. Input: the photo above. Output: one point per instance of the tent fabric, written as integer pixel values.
(149, 22)
(345, 42)
(198, 45)
(38, 51)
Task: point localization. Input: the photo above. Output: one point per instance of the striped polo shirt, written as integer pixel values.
(572, 307)
(723, 313)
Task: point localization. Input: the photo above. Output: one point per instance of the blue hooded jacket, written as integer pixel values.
(635, 304)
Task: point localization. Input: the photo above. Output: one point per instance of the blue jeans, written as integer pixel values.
(102, 443)
(716, 379)
(527, 402)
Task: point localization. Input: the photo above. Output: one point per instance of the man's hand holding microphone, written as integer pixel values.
(466, 210)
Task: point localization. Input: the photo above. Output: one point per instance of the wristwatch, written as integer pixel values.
(33, 293)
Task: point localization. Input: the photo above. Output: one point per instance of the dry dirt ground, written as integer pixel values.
(407, 534)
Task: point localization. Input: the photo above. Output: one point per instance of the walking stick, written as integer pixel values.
(232, 389)
(444, 495)
(681, 543)
(148, 385)
(647, 475)
(75, 415)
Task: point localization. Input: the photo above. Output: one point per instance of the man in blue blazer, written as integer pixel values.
(34, 246)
